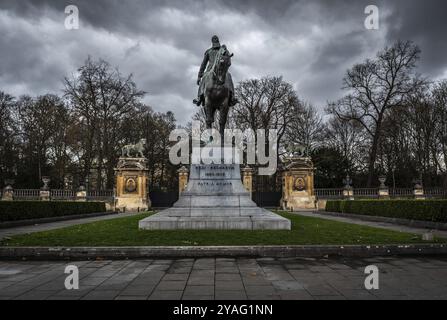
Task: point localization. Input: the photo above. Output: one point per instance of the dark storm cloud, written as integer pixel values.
(310, 43)
(425, 23)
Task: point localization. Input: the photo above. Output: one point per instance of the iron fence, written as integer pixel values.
(329, 193)
(101, 195)
(26, 194)
(62, 195)
(366, 193)
(435, 193)
(401, 192)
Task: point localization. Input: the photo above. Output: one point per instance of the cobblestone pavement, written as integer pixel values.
(227, 279)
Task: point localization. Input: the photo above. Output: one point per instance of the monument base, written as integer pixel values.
(131, 185)
(181, 219)
(299, 203)
(215, 199)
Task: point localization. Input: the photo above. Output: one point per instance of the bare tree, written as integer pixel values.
(375, 87)
(267, 103)
(101, 98)
(306, 127)
(348, 137)
(439, 94)
(7, 136)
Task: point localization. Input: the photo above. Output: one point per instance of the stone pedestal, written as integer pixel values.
(298, 184)
(348, 193)
(384, 193)
(419, 193)
(81, 195)
(131, 185)
(45, 195)
(8, 194)
(215, 199)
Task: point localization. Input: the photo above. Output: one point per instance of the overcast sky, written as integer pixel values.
(310, 43)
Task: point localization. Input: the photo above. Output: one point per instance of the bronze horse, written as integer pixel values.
(216, 92)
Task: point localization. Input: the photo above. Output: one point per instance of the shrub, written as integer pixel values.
(423, 210)
(24, 210)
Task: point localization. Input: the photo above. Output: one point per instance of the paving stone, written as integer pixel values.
(295, 295)
(35, 295)
(166, 295)
(228, 277)
(230, 295)
(322, 290)
(287, 285)
(199, 290)
(227, 270)
(193, 297)
(266, 297)
(171, 285)
(200, 281)
(131, 298)
(176, 277)
(329, 298)
(259, 290)
(230, 285)
(101, 295)
(138, 290)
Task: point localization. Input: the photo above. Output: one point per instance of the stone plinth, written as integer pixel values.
(8, 194)
(298, 184)
(45, 195)
(215, 199)
(131, 185)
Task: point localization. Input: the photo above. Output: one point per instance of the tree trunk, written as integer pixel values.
(372, 159)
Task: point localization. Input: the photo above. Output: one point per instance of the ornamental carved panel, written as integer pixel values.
(299, 184)
(131, 184)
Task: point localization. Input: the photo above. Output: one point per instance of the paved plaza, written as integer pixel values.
(228, 279)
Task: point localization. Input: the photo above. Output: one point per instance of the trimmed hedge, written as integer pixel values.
(422, 210)
(25, 210)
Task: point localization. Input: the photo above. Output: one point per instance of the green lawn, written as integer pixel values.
(125, 232)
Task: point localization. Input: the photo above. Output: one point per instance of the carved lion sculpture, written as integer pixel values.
(136, 150)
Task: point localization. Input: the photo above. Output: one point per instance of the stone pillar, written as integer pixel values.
(131, 185)
(418, 190)
(384, 191)
(45, 194)
(348, 191)
(81, 194)
(183, 175)
(298, 184)
(247, 179)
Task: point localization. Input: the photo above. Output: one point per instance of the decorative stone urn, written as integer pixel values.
(45, 190)
(298, 184)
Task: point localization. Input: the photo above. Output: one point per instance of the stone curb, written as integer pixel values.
(119, 253)
(31, 222)
(404, 222)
